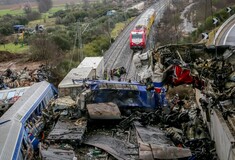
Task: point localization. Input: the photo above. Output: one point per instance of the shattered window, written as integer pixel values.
(11, 94)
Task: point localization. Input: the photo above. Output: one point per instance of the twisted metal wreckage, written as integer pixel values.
(145, 134)
(209, 69)
(26, 77)
(13, 84)
(118, 117)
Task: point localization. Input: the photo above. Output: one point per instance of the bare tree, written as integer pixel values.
(42, 48)
(85, 4)
(27, 8)
(44, 5)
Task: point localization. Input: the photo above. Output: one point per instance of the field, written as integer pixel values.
(12, 12)
(11, 47)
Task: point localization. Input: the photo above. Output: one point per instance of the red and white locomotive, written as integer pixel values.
(139, 34)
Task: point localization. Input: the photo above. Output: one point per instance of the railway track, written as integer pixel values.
(120, 55)
(118, 47)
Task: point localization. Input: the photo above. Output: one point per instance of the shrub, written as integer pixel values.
(61, 41)
(34, 15)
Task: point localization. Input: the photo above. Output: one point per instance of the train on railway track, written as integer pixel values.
(139, 35)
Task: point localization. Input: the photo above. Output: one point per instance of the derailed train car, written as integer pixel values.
(138, 36)
(23, 122)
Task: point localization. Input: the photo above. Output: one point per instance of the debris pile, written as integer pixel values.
(23, 78)
(209, 69)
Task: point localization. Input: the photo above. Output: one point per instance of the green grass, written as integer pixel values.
(12, 12)
(56, 8)
(11, 47)
(20, 11)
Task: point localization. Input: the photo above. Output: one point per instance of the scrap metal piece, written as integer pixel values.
(66, 131)
(124, 124)
(151, 135)
(56, 153)
(169, 152)
(103, 111)
(154, 144)
(119, 149)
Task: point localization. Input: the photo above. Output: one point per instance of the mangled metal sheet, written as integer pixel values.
(67, 130)
(151, 135)
(56, 153)
(104, 111)
(145, 151)
(154, 144)
(117, 148)
(169, 152)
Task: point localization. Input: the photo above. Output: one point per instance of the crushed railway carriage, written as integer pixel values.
(89, 68)
(138, 36)
(19, 125)
(9, 96)
(123, 94)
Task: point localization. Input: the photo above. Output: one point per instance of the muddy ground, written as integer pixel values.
(16, 62)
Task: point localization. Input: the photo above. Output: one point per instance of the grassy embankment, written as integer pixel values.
(11, 47)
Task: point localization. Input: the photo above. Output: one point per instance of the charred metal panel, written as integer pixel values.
(153, 144)
(119, 149)
(56, 153)
(68, 131)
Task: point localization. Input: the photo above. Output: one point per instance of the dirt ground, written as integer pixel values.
(16, 62)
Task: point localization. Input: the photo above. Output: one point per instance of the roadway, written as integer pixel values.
(227, 34)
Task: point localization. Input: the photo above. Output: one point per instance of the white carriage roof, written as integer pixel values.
(81, 72)
(75, 73)
(92, 62)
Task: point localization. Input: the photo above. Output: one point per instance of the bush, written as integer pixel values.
(68, 19)
(34, 15)
(61, 41)
(42, 48)
(97, 47)
(6, 29)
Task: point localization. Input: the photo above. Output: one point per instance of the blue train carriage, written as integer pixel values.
(124, 94)
(20, 125)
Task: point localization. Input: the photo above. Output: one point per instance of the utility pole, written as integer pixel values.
(109, 34)
(80, 41)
